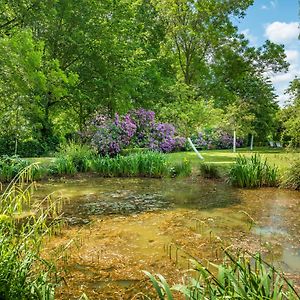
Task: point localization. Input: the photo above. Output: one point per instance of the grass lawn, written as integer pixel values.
(279, 157)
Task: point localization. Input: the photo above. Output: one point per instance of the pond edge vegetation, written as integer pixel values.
(72, 158)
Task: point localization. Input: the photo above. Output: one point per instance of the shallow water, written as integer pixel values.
(119, 227)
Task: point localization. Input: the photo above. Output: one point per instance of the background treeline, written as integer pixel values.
(60, 61)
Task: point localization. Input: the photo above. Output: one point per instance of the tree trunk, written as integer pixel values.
(234, 141)
(194, 148)
(251, 143)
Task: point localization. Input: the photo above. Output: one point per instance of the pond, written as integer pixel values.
(118, 227)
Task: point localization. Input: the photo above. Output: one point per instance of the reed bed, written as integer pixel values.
(291, 177)
(209, 170)
(245, 276)
(24, 274)
(253, 172)
(146, 164)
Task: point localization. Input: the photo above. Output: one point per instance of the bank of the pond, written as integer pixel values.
(120, 226)
(270, 168)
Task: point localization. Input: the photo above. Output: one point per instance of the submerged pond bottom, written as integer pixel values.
(119, 227)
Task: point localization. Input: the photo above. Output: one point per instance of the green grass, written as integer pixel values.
(224, 158)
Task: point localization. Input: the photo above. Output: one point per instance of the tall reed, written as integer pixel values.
(291, 177)
(242, 277)
(73, 158)
(209, 170)
(23, 273)
(146, 164)
(253, 172)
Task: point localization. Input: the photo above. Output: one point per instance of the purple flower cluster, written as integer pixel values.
(137, 128)
(215, 139)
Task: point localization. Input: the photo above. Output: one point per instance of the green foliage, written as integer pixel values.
(289, 117)
(73, 158)
(146, 164)
(253, 172)
(209, 170)
(10, 166)
(24, 274)
(183, 168)
(241, 277)
(291, 178)
(185, 59)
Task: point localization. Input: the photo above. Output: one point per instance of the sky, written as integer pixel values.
(277, 21)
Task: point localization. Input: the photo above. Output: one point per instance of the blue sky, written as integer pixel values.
(278, 21)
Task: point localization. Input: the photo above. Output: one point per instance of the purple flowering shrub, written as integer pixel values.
(215, 139)
(137, 128)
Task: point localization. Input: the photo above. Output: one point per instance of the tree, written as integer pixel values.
(290, 115)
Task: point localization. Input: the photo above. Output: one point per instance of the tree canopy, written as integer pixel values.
(63, 60)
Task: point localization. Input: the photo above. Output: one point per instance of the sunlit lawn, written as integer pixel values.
(279, 157)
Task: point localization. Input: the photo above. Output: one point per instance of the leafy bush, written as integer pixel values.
(215, 139)
(291, 178)
(23, 273)
(10, 166)
(136, 129)
(252, 172)
(27, 148)
(238, 278)
(209, 170)
(73, 158)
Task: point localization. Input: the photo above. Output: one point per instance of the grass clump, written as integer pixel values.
(146, 164)
(291, 178)
(73, 158)
(24, 274)
(242, 277)
(253, 172)
(183, 168)
(208, 170)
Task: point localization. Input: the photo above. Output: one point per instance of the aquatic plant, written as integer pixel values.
(253, 172)
(183, 168)
(145, 164)
(73, 158)
(291, 178)
(24, 274)
(241, 277)
(209, 170)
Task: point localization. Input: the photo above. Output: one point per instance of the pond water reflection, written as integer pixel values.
(122, 226)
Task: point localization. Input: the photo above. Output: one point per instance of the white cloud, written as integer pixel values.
(264, 7)
(292, 57)
(281, 81)
(252, 38)
(284, 77)
(281, 32)
(273, 3)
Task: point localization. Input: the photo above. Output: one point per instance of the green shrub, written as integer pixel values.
(291, 178)
(238, 278)
(145, 164)
(252, 172)
(10, 166)
(209, 170)
(23, 273)
(73, 158)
